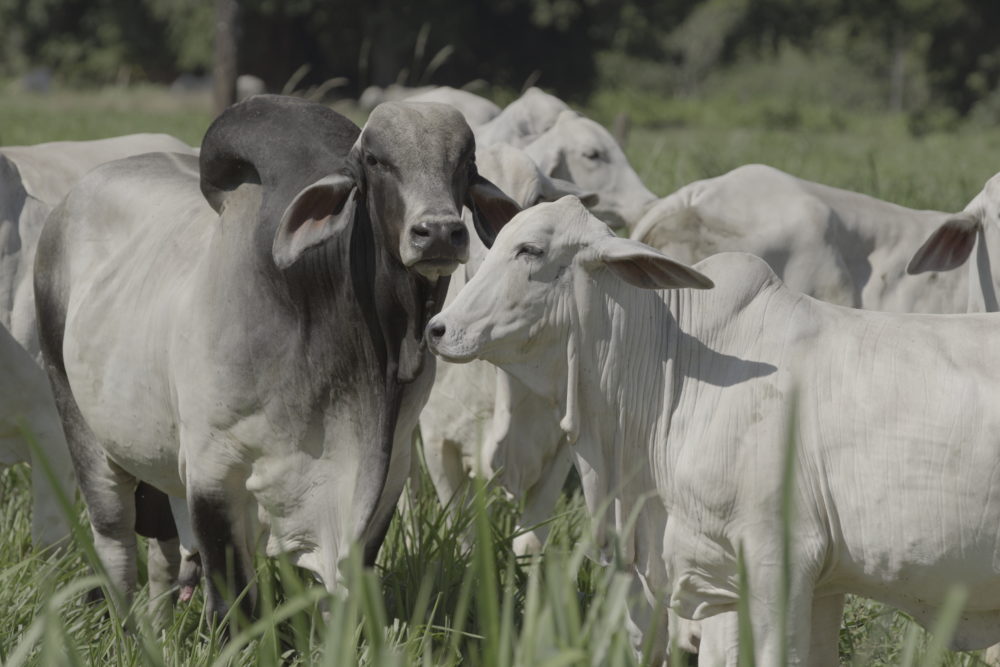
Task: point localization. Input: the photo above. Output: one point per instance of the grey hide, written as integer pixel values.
(249, 340)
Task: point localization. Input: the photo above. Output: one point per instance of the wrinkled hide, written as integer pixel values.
(712, 379)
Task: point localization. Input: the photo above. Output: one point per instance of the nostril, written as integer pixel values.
(459, 236)
(436, 330)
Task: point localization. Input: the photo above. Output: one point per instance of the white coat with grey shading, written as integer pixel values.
(32, 180)
(690, 395)
(839, 246)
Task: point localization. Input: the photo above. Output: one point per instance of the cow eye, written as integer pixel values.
(371, 160)
(592, 154)
(528, 250)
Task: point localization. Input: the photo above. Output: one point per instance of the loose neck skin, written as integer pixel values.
(619, 349)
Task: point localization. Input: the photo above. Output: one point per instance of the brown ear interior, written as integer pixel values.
(491, 209)
(947, 248)
(316, 214)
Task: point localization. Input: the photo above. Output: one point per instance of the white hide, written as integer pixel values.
(32, 180)
(839, 246)
(476, 109)
(523, 120)
(895, 431)
(582, 151)
(456, 424)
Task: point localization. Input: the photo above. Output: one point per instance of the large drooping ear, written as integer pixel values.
(948, 247)
(491, 208)
(317, 213)
(642, 266)
(553, 189)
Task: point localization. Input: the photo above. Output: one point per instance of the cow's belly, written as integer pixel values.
(116, 363)
(917, 513)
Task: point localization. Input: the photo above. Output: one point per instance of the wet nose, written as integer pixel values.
(443, 238)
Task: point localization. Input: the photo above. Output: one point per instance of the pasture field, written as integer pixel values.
(431, 600)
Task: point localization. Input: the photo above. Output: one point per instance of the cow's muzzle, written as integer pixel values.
(437, 247)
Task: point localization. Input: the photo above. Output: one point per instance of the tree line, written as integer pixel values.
(509, 43)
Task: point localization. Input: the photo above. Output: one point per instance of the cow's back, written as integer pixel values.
(49, 170)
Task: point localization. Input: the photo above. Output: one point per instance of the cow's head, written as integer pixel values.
(579, 150)
(950, 245)
(414, 168)
(519, 309)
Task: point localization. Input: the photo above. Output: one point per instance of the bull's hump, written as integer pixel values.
(737, 271)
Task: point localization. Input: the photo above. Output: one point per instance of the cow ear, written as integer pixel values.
(317, 213)
(491, 208)
(948, 247)
(642, 266)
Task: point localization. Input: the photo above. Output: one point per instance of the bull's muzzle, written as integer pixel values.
(444, 240)
(437, 247)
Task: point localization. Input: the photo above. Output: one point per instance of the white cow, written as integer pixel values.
(690, 395)
(476, 109)
(836, 245)
(32, 180)
(582, 151)
(523, 120)
(455, 424)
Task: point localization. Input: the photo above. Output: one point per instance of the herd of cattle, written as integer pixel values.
(229, 348)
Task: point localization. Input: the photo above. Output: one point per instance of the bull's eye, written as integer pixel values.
(371, 160)
(592, 154)
(528, 250)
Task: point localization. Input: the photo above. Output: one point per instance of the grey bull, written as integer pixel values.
(245, 332)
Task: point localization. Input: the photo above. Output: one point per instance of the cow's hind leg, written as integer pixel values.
(108, 492)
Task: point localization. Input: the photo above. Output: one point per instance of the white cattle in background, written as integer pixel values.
(836, 245)
(476, 109)
(455, 425)
(582, 151)
(896, 439)
(32, 180)
(523, 120)
(458, 423)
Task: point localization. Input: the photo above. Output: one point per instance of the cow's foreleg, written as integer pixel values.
(540, 502)
(772, 646)
(219, 520)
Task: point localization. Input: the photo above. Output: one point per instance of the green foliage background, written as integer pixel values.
(935, 59)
